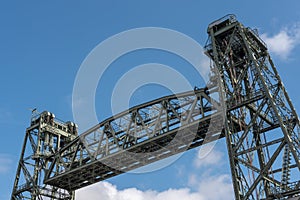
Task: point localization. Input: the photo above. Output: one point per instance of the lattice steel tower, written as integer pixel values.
(45, 136)
(245, 101)
(264, 163)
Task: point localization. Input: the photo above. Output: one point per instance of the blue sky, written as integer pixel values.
(44, 43)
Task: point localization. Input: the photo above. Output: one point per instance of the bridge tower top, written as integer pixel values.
(44, 137)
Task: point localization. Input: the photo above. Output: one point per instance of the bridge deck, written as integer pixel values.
(171, 125)
(99, 170)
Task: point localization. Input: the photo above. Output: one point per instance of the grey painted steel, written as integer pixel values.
(264, 164)
(43, 138)
(245, 101)
(142, 135)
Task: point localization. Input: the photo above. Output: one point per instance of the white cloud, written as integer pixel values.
(214, 188)
(208, 155)
(205, 184)
(107, 191)
(193, 180)
(284, 42)
(5, 163)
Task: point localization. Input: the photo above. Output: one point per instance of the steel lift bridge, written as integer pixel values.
(245, 100)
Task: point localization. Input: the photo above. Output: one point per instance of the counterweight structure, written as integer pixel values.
(245, 101)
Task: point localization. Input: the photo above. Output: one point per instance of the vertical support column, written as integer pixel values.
(253, 95)
(44, 137)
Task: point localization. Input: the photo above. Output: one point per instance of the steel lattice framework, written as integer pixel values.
(137, 137)
(42, 139)
(245, 102)
(264, 163)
